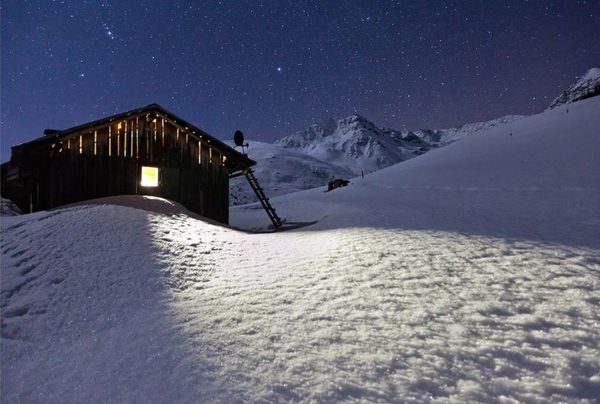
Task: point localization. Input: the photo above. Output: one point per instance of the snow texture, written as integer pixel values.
(7, 208)
(468, 274)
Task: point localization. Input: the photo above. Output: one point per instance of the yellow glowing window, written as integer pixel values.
(149, 176)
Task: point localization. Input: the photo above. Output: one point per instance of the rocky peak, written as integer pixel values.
(587, 86)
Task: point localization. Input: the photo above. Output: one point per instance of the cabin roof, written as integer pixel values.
(52, 135)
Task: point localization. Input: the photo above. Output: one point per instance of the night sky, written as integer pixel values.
(273, 68)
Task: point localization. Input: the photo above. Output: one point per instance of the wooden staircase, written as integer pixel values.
(262, 198)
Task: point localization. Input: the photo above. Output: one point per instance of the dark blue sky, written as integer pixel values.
(272, 68)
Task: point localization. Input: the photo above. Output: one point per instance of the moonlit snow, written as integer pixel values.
(468, 274)
(342, 148)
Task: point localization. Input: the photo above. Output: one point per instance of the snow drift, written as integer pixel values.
(468, 274)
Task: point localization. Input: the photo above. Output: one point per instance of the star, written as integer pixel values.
(319, 56)
(108, 31)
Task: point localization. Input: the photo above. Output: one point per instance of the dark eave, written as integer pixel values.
(225, 149)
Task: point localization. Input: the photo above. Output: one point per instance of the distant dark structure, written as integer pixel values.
(146, 151)
(337, 183)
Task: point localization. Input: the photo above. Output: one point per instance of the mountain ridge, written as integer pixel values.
(587, 86)
(340, 148)
(354, 146)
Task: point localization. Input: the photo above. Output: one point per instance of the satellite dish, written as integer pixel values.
(238, 138)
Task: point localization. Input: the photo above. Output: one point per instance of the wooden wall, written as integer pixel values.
(107, 160)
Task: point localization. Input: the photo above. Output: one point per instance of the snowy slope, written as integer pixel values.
(587, 86)
(282, 171)
(468, 274)
(351, 146)
(546, 162)
(343, 148)
(446, 136)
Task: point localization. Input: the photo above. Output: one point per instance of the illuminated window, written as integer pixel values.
(149, 176)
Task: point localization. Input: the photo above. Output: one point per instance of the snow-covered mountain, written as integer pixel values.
(342, 148)
(587, 86)
(352, 146)
(355, 143)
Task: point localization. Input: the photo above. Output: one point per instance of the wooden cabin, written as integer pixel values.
(147, 151)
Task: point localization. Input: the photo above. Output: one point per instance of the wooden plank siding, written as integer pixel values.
(106, 159)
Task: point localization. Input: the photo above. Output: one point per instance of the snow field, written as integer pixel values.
(188, 311)
(82, 289)
(469, 274)
(394, 316)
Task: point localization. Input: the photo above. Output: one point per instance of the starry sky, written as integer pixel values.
(271, 68)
